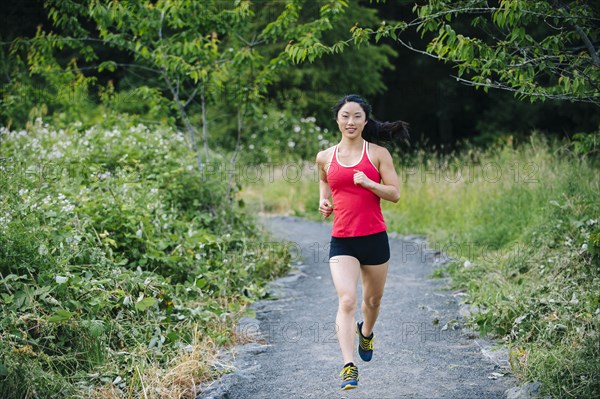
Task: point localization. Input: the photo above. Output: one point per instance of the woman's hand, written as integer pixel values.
(362, 180)
(325, 207)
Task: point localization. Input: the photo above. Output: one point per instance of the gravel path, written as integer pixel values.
(421, 348)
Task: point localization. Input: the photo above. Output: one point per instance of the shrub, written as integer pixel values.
(114, 249)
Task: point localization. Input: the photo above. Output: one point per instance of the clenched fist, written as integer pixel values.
(361, 179)
(325, 207)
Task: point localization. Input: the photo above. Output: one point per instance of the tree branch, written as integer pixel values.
(410, 47)
(588, 98)
(123, 65)
(191, 129)
(589, 45)
(162, 18)
(582, 34)
(189, 100)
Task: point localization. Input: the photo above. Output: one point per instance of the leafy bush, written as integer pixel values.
(279, 136)
(114, 250)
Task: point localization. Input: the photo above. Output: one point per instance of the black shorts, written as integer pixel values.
(373, 249)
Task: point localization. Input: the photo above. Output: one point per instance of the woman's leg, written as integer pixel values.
(373, 283)
(345, 271)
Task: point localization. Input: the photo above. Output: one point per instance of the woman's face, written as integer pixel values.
(351, 120)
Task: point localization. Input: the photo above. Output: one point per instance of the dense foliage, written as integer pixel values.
(538, 49)
(543, 52)
(65, 57)
(115, 253)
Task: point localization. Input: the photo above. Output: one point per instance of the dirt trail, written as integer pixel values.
(421, 348)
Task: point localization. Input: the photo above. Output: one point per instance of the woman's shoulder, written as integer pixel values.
(325, 155)
(378, 150)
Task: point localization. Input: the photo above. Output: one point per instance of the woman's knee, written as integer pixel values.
(373, 301)
(347, 303)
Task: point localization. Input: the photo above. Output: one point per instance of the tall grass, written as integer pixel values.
(522, 224)
(285, 188)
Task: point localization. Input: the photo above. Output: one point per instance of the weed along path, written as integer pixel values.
(421, 348)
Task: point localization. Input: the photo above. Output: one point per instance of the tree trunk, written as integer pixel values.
(232, 174)
(204, 124)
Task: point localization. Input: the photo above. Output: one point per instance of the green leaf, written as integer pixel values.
(7, 298)
(109, 65)
(60, 316)
(144, 304)
(94, 327)
(24, 298)
(172, 336)
(201, 282)
(3, 370)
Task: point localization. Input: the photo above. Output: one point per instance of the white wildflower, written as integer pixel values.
(61, 279)
(4, 220)
(76, 239)
(104, 176)
(56, 154)
(574, 300)
(68, 208)
(291, 144)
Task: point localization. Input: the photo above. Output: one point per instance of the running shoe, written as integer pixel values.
(349, 376)
(365, 344)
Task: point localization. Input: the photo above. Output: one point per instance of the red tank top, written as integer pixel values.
(356, 210)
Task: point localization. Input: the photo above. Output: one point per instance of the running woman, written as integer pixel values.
(357, 173)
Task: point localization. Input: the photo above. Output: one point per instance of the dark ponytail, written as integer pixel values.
(384, 132)
(375, 131)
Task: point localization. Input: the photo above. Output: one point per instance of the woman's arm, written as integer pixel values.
(389, 188)
(325, 207)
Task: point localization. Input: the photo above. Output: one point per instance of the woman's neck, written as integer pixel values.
(351, 144)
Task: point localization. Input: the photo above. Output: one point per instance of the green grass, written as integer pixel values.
(527, 220)
(286, 189)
